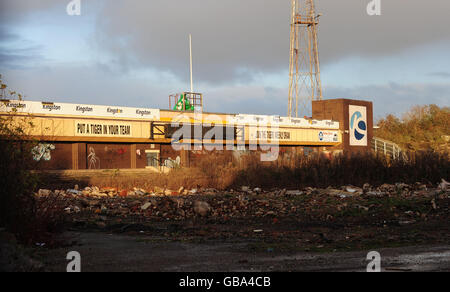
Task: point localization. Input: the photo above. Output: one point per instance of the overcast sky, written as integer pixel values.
(135, 52)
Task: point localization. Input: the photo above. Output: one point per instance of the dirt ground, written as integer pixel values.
(259, 245)
(126, 253)
(308, 230)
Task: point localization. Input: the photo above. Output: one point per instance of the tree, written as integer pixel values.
(421, 128)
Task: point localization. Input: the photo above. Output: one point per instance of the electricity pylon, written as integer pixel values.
(304, 73)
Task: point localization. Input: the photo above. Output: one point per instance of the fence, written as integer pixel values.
(388, 148)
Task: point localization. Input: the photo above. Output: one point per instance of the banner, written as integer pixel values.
(269, 134)
(102, 129)
(68, 109)
(328, 136)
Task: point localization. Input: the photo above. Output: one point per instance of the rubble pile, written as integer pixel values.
(323, 204)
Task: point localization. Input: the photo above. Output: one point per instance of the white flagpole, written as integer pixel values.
(190, 53)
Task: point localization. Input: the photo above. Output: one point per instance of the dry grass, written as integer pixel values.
(358, 169)
(216, 170)
(220, 170)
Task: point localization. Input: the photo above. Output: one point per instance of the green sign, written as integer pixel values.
(187, 105)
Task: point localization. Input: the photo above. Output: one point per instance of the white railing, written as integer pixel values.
(388, 148)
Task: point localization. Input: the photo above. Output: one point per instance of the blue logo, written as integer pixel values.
(357, 126)
(321, 136)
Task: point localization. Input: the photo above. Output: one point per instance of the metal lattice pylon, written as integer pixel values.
(304, 73)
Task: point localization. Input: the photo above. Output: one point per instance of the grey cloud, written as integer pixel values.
(237, 39)
(10, 60)
(86, 84)
(234, 41)
(253, 99)
(440, 74)
(6, 36)
(229, 38)
(14, 11)
(392, 98)
(395, 98)
(13, 55)
(346, 29)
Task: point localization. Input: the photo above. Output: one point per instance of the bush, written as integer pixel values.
(16, 180)
(422, 128)
(29, 219)
(345, 169)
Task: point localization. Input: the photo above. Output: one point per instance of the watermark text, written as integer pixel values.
(74, 8)
(374, 8)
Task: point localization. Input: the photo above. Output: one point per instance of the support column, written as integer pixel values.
(75, 156)
(185, 158)
(133, 156)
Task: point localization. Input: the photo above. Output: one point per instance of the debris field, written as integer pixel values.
(348, 217)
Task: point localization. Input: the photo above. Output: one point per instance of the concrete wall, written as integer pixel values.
(84, 156)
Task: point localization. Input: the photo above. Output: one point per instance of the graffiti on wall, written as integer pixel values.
(93, 160)
(121, 151)
(169, 162)
(42, 152)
